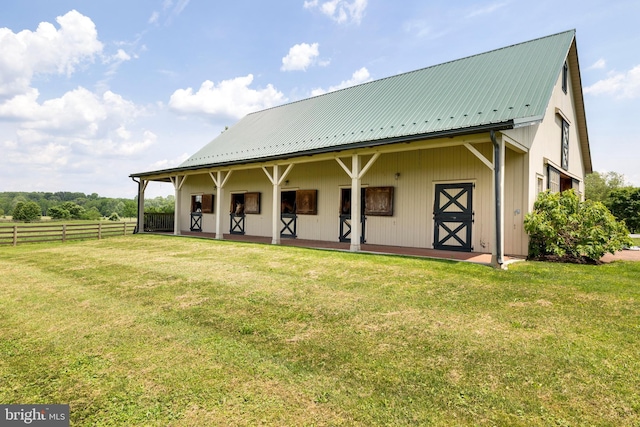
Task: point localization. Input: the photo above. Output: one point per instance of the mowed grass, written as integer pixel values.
(158, 331)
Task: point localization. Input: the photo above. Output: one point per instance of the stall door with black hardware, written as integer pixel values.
(453, 217)
(288, 216)
(345, 215)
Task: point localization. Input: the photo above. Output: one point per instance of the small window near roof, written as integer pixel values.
(540, 188)
(553, 179)
(564, 154)
(565, 77)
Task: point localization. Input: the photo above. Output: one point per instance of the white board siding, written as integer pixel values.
(515, 187)
(196, 184)
(412, 222)
(326, 177)
(250, 181)
(547, 140)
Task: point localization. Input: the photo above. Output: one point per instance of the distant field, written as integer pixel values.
(157, 331)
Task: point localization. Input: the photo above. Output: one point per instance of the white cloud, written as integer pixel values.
(341, 11)
(78, 113)
(169, 10)
(45, 51)
(122, 144)
(230, 98)
(598, 65)
(359, 76)
(620, 85)
(486, 9)
(168, 163)
(80, 133)
(300, 57)
(153, 19)
(121, 56)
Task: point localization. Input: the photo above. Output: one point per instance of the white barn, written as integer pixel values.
(447, 157)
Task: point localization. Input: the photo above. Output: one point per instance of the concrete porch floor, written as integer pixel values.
(474, 257)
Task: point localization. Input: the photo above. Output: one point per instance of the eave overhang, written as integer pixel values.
(164, 174)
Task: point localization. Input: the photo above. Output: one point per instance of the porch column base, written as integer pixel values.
(355, 247)
(496, 264)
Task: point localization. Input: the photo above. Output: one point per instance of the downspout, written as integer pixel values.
(136, 230)
(497, 198)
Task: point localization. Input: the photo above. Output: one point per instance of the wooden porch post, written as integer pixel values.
(276, 179)
(355, 204)
(275, 211)
(142, 186)
(220, 179)
(356, 174)
(177, 181)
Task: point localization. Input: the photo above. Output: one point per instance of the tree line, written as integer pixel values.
(27, 206)
(621, 199)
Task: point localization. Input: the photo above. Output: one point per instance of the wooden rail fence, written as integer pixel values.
(30, 233)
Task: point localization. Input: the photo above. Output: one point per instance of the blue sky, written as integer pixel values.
(91, 91)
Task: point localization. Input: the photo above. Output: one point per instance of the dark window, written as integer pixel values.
(202, 203)
(557, 181)
(196, 203)
(288, 203)
(565, 77)
(237, 204)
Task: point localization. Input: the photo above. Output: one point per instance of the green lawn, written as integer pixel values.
(157, 330)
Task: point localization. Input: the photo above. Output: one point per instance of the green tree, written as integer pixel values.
(19, 198)
(58, 212)
(560, 225)
(130, 209)
(160, 204)
(74, 209)
(92, 214)
(625, 205)
(27, 212)
(598, 186)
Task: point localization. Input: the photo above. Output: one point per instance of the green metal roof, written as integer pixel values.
(507, 87)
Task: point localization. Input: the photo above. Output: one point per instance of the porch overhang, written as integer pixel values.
(389, 145)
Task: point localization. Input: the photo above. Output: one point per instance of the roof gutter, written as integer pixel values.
(450, 133)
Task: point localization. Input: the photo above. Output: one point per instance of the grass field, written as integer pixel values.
(157, 331)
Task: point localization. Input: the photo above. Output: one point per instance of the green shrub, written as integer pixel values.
(27, 212)
(563, 226)
(114, 217)
(92, 214)
(58, 212)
